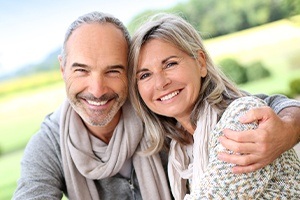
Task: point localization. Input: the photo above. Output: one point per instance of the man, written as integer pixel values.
(88, 148)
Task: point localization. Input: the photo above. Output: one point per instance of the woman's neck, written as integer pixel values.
(187, 125)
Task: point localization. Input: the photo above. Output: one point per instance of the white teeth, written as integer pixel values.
(169, 96)
(95, 103)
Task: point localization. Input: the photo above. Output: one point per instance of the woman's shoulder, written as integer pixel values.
(237, 108)
(246, 102)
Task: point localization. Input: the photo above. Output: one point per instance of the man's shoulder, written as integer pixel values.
(47, 137)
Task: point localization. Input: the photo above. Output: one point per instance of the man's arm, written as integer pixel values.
(274, 135)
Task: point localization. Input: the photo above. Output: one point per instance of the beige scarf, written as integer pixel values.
(179, 167)
(83, 162)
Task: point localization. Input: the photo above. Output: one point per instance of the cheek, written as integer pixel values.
(196, 86)
(193, 84)
(123, 82)
(74, 84)
(71, 86)
(144, 92)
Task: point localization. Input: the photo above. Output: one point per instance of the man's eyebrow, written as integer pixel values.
(109, 67)
(79, 65)
(116, 67)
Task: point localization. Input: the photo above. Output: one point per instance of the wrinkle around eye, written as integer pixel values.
(143, 76)
(80, 70)
(171, 64)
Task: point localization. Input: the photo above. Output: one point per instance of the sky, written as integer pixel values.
(31, 29)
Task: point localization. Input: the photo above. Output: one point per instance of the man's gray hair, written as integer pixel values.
(89, 18)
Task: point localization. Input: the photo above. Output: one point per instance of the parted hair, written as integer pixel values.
(216, 88)
(89, 18)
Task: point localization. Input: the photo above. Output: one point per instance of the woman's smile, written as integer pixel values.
(169, 96)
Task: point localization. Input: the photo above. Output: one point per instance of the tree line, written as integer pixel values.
(215, 18)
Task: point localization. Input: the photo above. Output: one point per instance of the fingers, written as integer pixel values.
(256, 114)
(238, 159)
(238, 136)
(246, 169)
(244, 163)
(258, 147)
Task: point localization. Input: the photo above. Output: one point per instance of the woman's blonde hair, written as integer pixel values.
(216, 89)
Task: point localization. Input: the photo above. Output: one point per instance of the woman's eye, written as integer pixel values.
(143, 76)
(171, 64)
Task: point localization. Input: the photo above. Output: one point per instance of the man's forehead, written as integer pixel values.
(101, 43)
(97, 31)
(95, 35)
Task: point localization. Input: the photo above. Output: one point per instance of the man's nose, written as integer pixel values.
(97, 85)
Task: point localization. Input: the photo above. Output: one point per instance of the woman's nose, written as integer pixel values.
(161, 80)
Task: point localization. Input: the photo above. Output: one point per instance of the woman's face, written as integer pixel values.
(168, 79)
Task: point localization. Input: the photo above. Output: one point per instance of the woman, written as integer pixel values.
(180, 94)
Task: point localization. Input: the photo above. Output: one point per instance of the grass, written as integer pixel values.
(22, 111)
(29, 82)
(9, 173)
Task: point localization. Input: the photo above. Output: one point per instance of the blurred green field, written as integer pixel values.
(9, 173)
(20, 117)
(22, 111)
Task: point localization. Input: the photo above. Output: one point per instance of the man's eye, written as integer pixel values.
(80, 70)
(114, 71)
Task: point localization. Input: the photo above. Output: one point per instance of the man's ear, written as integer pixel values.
(61, 65)
(202, 61)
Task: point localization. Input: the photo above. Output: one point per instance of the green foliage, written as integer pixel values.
(214, 18)
(256, 71)
(292, 7)
(233, 70)
(295, 86)
(240, 74)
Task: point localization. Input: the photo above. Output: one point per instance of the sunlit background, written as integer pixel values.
(256, 43)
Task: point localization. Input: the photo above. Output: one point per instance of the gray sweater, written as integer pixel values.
(42, 175)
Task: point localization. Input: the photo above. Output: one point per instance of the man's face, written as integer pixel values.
(95, 73)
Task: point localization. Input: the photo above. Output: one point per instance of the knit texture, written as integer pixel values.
(278, 180)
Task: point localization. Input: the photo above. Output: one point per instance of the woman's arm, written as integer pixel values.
(276, 133)
(218, 180)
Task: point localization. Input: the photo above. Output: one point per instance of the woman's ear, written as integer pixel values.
(202, 61)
